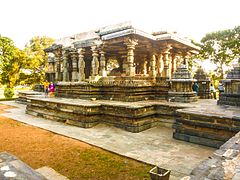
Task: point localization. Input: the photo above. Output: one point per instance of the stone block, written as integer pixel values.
(12, 168)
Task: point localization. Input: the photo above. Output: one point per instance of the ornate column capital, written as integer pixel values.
(81, 52)
(130, 43)
(167, 49)
(94, 48)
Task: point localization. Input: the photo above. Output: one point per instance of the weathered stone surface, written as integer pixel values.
(203, 81)
(133, 118)
(22, 96)
(224, 164)
(210, 130)
(117, 88)
(209, 124)
(136, 70)
(231, 96)
(51, 174)
(181, 90)
(13, 168)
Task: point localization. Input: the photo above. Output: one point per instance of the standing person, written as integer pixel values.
(51, 89)
(45, 85)
(220, 88)
(195, 88)
(213, 91)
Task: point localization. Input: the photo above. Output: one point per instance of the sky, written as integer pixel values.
(21, 20)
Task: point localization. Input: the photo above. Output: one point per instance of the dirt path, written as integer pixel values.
(71, 158)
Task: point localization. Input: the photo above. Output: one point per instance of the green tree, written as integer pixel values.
(10, 62)
(221, 47)
(37, 58)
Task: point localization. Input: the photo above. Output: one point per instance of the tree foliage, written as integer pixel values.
(12, 60)
(221, 47)
(37, 58)
(27, 66)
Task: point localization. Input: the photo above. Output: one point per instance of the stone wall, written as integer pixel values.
(223, 164)
(133, 118)
(121, 90)
(207, 129)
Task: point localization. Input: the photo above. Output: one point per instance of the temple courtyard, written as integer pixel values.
(134, 94)
(153, 146)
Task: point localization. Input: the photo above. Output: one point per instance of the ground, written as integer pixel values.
(71, 158)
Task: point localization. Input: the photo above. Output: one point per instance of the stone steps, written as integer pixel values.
(133, 117)
(50, 174)
(223, 164)
(205, 129)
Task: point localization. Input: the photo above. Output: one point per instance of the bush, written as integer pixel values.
(8, 92)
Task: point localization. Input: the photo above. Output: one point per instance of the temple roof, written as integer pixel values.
(108, 33)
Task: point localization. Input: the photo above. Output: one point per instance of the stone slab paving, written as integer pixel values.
(209, 107)
(12, 168)
(50, 173)
(154, 146)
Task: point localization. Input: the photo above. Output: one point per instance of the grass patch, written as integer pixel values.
(8, 99)
(74, 159)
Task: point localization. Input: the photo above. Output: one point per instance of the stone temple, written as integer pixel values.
(133, 80)
(121, 76)
(118, 62)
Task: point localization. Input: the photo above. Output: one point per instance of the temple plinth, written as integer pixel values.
(181, 90)
(231, 95)
(203, 81)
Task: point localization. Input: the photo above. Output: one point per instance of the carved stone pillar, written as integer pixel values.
(65, 69)
(81, 64)
(145, 72)
(58, 56)
(102, 71)
(179, 61)
(74, 58)
(166, 54)
(159, 65)
(129, 64)
(153, 72)
(185, 58)
(174, 63)
(95, 63)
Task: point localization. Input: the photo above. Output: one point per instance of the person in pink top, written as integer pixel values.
(51, 89)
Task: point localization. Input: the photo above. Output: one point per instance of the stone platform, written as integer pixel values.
(129, 89)
(207, 123)
(22, 95)
(229, 99)
(223, 164)
(203, 122)
(131, 116)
